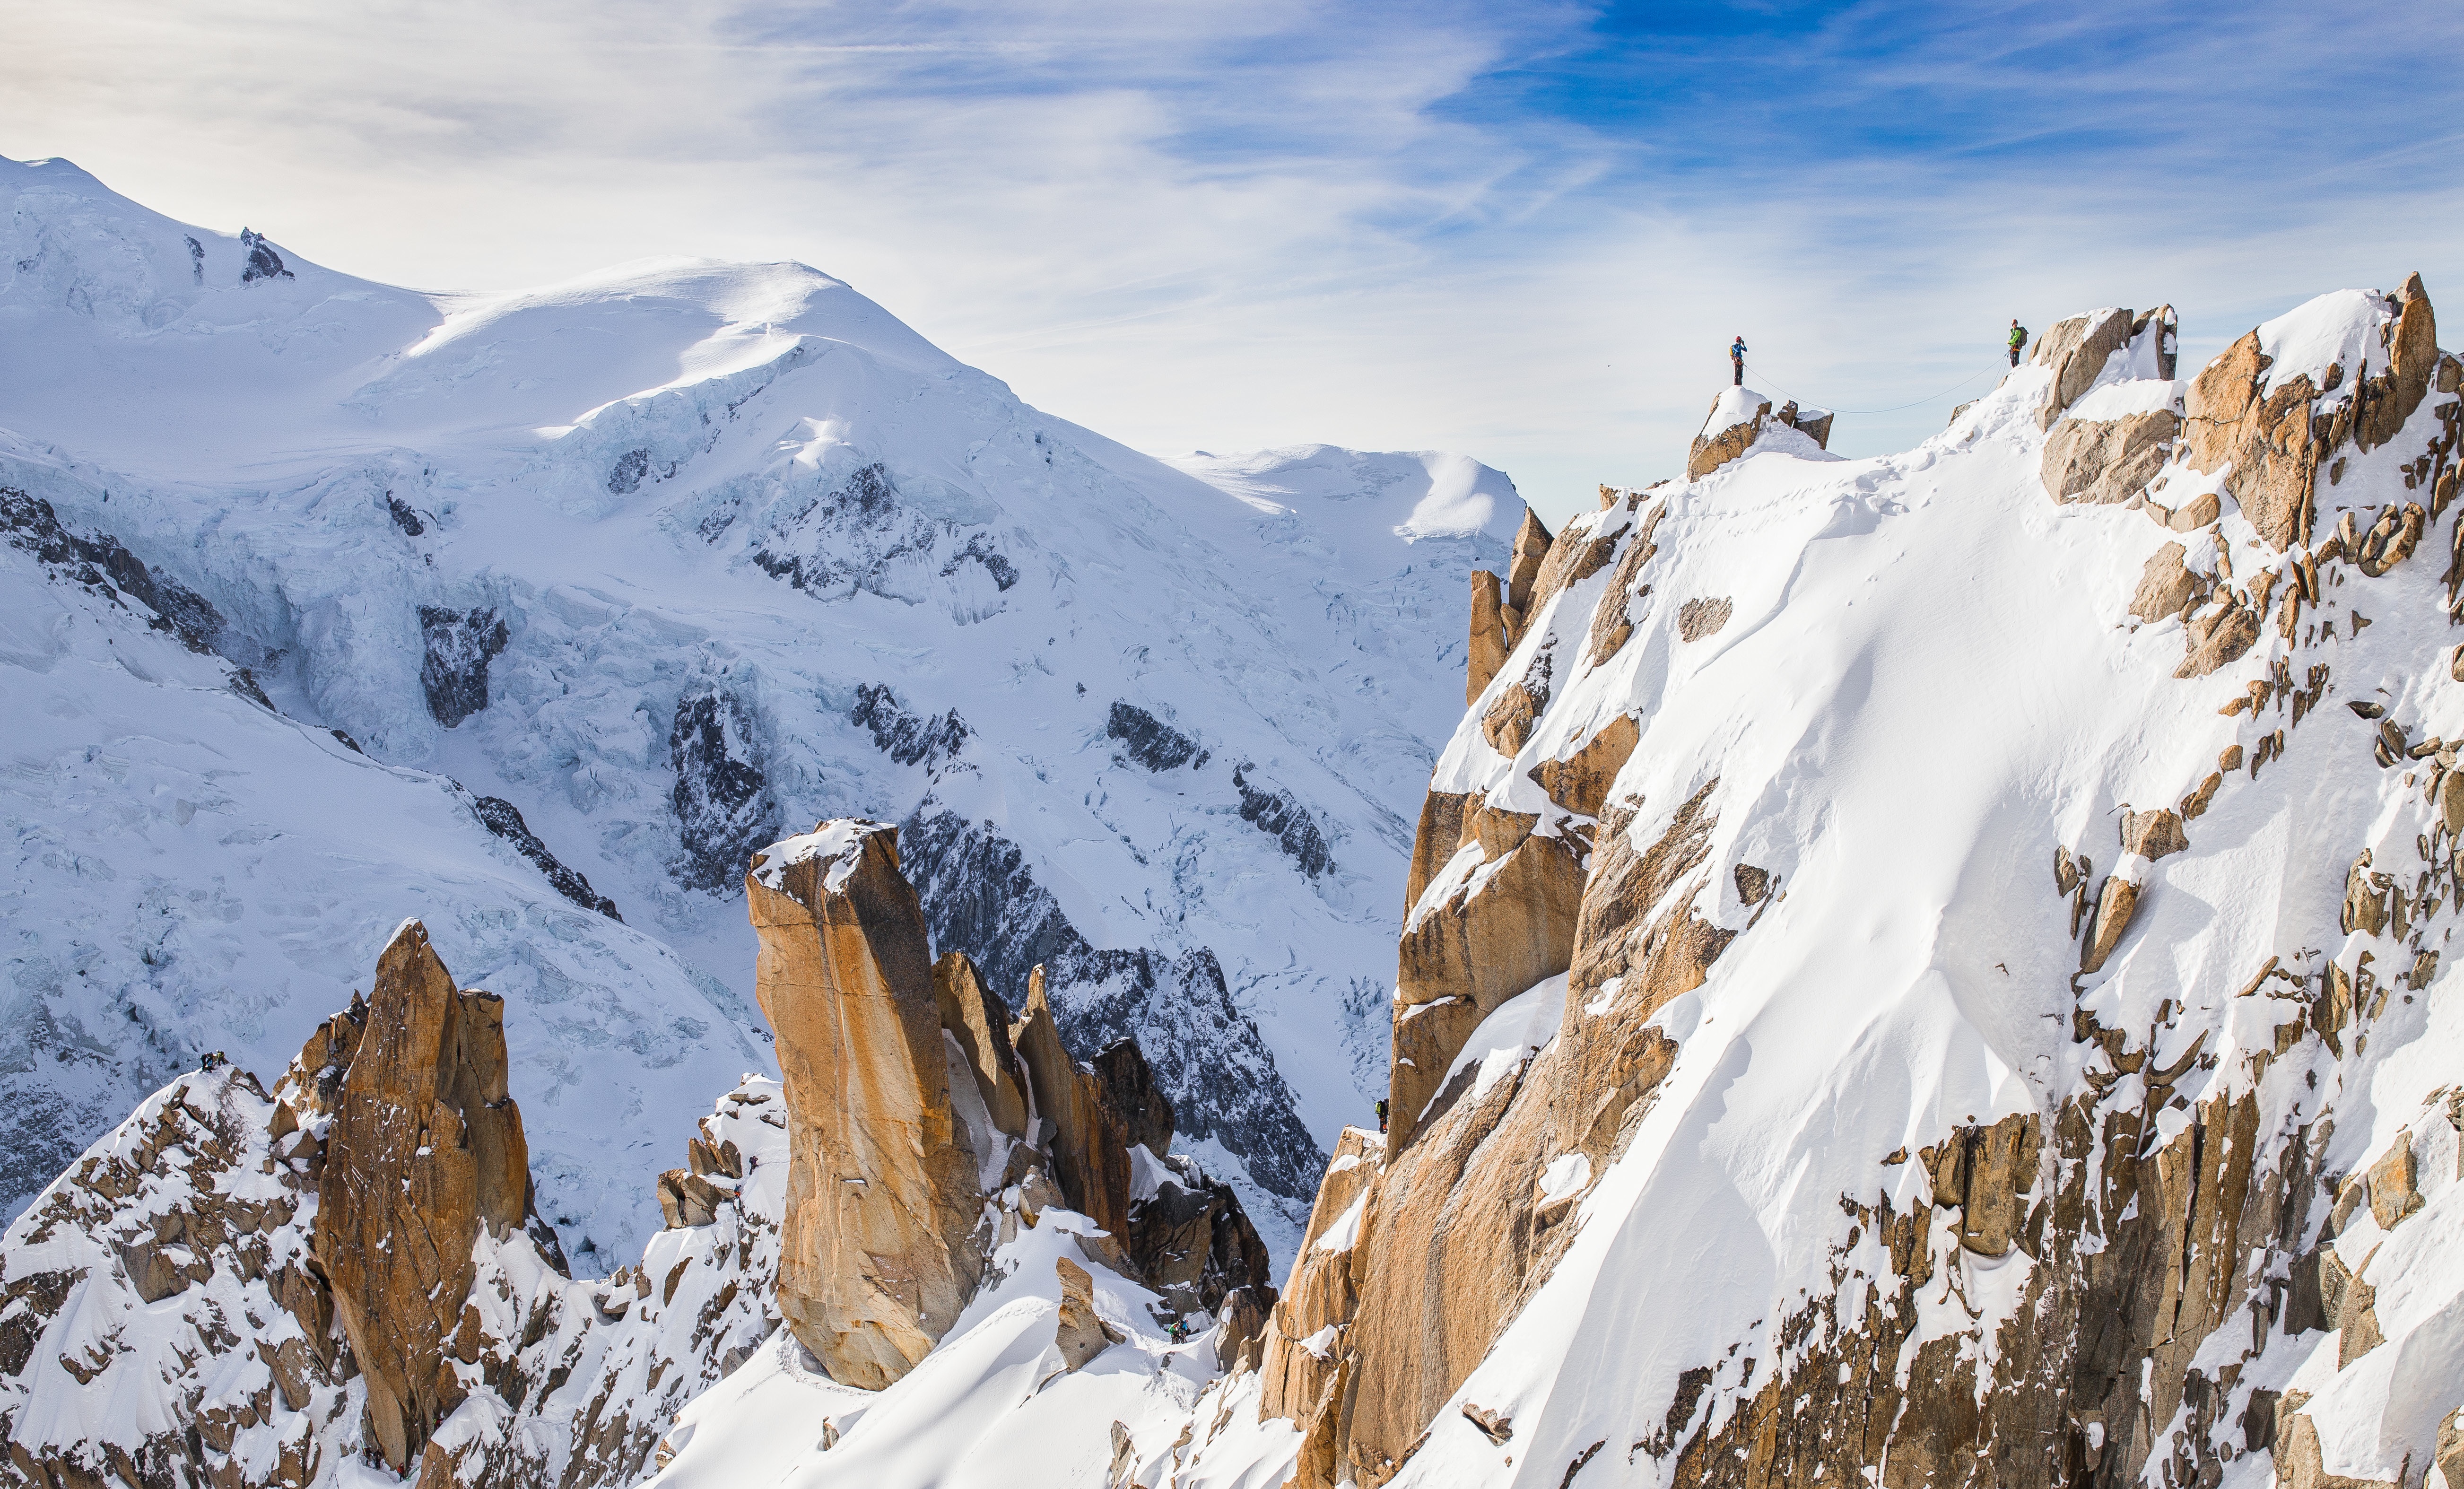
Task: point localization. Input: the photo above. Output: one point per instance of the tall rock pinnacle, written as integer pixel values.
(879, 1253)
(425, 1147)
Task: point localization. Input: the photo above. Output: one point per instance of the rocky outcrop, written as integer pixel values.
(102, 565)
(911, 1101)
(2107, 460)
(980, 896)
(1489, 642)
(978, 1024)
(880, 1251)
(1531, 546)
(723, 805)
(456, 649)
(1741, 417)
(907, 737)
(1151, 741)
(2278, 434)
(505, 820)
(1579, 782)
(2265, 436)
(425, 1150)
(1079, 1332)
(2078, 1293)
(2077, 350)
(262, 261)
(370, 1221)
(1280, 814)
(1097, 1112)
(1496, 921)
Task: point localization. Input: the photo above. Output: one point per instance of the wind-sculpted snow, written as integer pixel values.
(674, 560)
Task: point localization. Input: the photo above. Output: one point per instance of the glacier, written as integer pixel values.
(531, 614)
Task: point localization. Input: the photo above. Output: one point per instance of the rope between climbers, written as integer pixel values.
(1956, 387)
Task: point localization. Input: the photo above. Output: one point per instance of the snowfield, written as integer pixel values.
(669, 563)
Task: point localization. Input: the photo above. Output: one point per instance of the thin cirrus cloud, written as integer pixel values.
(1522, 232)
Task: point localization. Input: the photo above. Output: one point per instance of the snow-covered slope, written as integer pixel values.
(671, 561)
(2034, 915)
(2011, 1034)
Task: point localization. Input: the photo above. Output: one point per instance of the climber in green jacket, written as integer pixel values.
(2018, 340)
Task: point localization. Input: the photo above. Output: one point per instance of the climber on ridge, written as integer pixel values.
(1737, 360)
(2019, 339)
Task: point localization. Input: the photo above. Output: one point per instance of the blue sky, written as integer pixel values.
(1519, 231)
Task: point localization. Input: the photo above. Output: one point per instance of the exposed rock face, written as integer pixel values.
(1581, 782)
(2165, 586)
(1713, 449)
(2076, 349)
(1096, 1111)
(1531, 544)
(2265, 436)
(977, 1022)
(909, 1095)
(263, 262)
(722, 800)
(426, 1149)
(2107, 460)
(505, 820)
(458, 644)
(1151, 741)
(103, 564)
(907, 737)
(1280, 814)
(2277, 438)
(980, 897)
(1467, 948)
(1191, 1242)
(880, 1250)
(1489, 642)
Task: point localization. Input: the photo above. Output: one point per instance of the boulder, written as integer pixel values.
(1696, 618)
(2217, 637)
(424, 1143)
(2165, 586)
(878, 1253)
(2395, 1192)
(1581, 782)
(1241, 1322)
(2107, 460)
(1080, 1331)
(1739, 414)
(2115, 905)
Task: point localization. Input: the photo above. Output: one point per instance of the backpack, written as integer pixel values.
(2018, 336)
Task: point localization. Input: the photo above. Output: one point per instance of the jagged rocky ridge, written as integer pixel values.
(1858, 1022)
(349, 1273)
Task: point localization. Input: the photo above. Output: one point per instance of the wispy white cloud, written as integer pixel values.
(1522, 232)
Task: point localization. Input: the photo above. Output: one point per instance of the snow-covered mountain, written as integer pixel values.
(328, 602)
(1925, 970)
